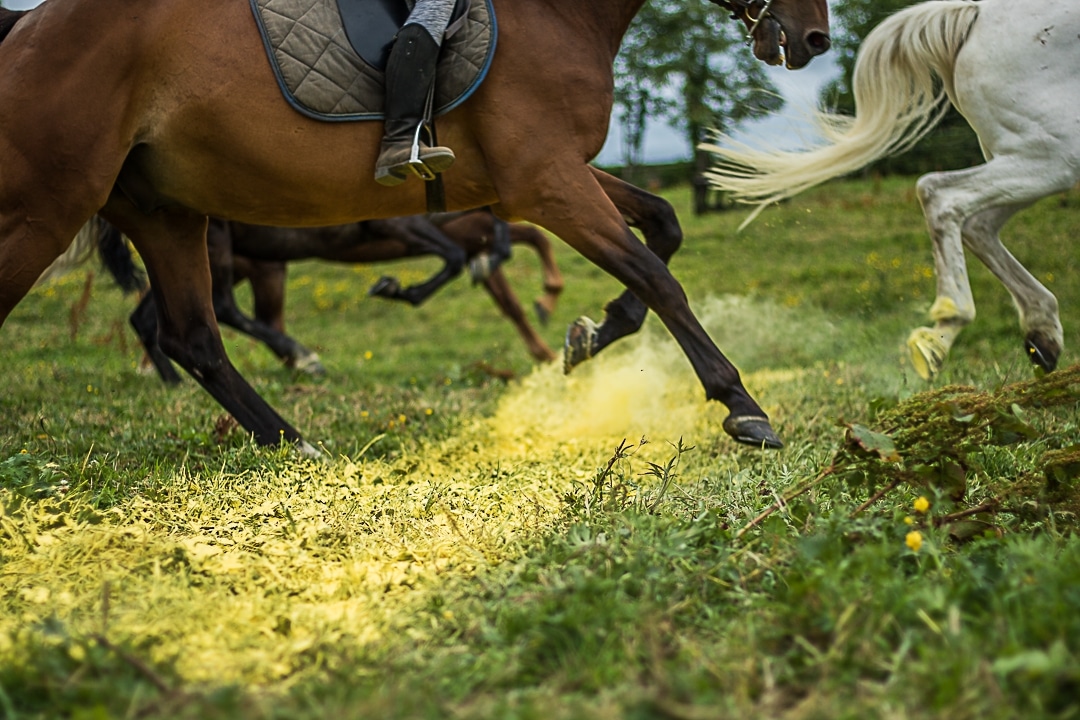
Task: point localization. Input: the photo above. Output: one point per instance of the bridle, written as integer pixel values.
(741, 9)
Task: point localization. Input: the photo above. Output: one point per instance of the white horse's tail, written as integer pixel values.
(80, 250)
(897, 101)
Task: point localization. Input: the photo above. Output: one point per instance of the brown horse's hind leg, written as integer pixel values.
(625, 315)
(173, 246)
(581, 214)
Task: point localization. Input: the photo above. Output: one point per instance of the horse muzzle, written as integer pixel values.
(810, 45)
(773, 44)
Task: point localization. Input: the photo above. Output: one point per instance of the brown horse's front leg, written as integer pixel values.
(552, 277)
(582, 215)
(625, 315)
(172, 244)
(499, 288)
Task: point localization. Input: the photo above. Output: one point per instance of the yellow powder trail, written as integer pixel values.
(242, 578)
(644, 385)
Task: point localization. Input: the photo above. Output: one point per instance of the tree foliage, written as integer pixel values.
(951, 145)
(684, 61)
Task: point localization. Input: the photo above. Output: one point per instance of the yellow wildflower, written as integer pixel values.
(922, 505)
(908, 520)
(914, 540)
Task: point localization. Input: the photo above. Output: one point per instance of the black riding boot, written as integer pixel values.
(410, 72)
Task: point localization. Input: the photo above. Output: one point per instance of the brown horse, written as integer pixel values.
(475, 233)
(160, 114)
(258, 254)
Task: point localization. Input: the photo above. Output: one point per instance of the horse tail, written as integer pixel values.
(113, 250)
(897, 101)
(8, 18)
(77, 253)
(116, 256)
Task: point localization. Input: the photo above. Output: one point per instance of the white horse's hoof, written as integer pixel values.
(927, 350)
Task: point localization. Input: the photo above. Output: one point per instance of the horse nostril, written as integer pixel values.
(817, 41)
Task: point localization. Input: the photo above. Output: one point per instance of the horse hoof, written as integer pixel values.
(309, 365)
(1042, 351)
(542, 313)
(752, 430)
(580, 340)
(480, 268)
(309, 451)
(927, 352)
(386, 286)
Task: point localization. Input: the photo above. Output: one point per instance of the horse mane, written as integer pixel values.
(8, 18)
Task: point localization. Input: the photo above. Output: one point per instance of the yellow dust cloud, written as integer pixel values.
(645, 386)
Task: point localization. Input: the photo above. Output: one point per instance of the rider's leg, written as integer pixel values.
(410, 74)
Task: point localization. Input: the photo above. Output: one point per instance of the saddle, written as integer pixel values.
(370, 25)
(329, 55)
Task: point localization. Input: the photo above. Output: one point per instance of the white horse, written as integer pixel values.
(1013, 70)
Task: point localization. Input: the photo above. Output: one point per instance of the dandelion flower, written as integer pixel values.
(922, 505)
(908, 520)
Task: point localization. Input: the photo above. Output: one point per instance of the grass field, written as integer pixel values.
(583, 546)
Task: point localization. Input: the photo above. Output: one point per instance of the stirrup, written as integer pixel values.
(419, 168)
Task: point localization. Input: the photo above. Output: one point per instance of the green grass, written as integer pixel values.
(559, 547)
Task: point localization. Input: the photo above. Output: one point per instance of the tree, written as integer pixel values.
(949, 146)
(685, 61)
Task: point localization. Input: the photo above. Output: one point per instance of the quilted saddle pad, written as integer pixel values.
(324, 78)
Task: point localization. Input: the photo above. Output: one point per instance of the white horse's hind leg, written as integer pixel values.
(1044, 338)
(954, 306)
(969, 207)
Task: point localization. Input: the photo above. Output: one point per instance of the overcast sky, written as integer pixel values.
(788, 129)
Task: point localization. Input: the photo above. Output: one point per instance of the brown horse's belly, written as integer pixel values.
(218, 137)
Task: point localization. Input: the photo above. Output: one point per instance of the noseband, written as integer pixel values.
(742, 8)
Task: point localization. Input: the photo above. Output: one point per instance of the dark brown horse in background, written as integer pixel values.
(161, 113)
(259, 254)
